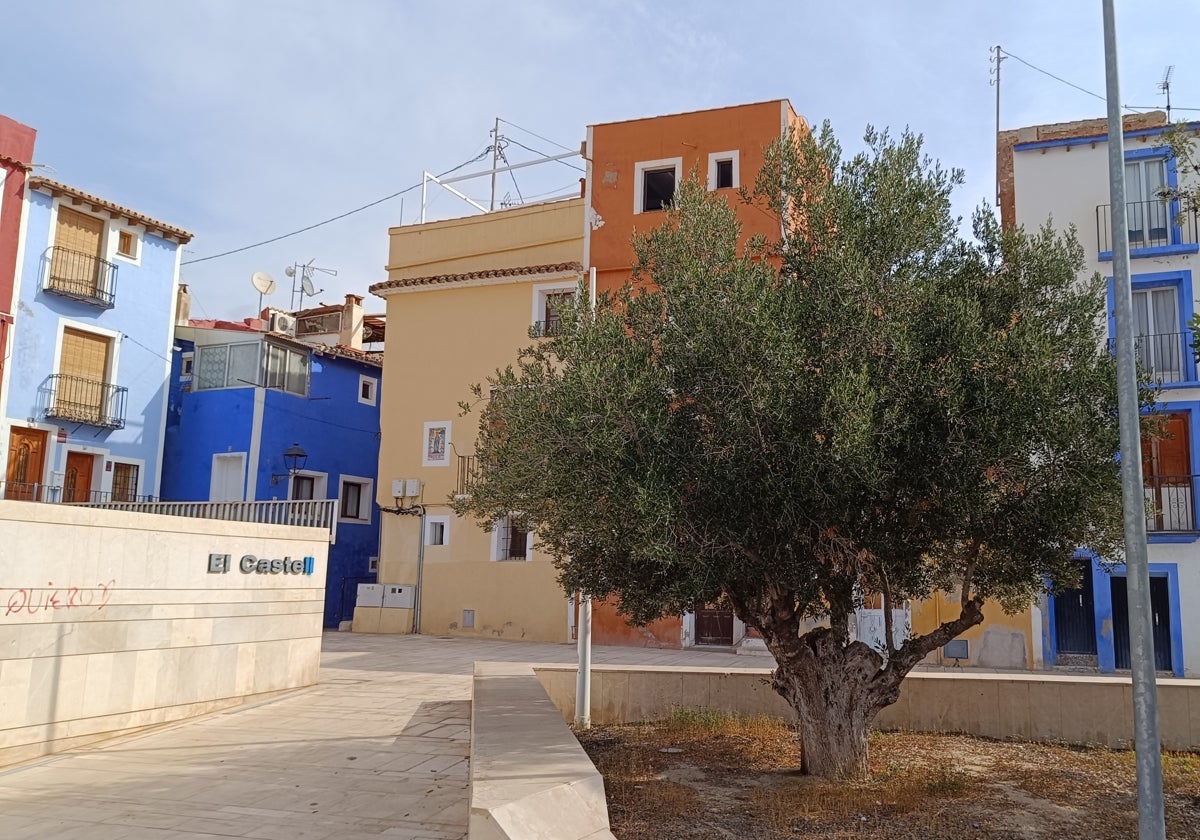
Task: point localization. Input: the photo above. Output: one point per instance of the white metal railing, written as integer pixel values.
(307, 513)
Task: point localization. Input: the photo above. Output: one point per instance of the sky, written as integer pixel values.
(245, 120)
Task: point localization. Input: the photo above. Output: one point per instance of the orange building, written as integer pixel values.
(633, 169)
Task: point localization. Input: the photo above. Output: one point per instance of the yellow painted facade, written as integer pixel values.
(461, 296)
(1001, 641)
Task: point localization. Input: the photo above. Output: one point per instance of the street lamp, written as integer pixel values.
(294, 457)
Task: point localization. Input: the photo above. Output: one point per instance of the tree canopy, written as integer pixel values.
(874, 404)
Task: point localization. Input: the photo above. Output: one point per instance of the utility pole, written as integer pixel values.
(995, 82)
(495, 162)
(1147, 743)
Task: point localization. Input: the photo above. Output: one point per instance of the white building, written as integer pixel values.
(1060, 172)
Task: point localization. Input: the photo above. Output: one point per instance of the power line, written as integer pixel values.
(1007, 54)
(543, 154)
(340, 216)
(538, 136)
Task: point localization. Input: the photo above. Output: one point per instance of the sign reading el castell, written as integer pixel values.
(219, 564)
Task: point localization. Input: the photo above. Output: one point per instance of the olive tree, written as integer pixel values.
(874, 405)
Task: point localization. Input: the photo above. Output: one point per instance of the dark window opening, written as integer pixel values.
(437, 533)
(125, 481)
(351, 500)
(724, 174)
(303, 487)
(658, 188)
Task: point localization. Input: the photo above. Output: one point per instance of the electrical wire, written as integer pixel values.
(340, 216)
(543, 154)
(535, 134)
(1007, 54)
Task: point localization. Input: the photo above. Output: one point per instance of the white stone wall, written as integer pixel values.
(110, 621)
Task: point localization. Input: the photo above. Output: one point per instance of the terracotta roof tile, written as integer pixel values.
(152, 225)
(485, 274)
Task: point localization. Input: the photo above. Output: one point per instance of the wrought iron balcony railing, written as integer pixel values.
(544, 329)
(1152, 224)
(57, 494)
(1171, 503)
(82, 277)
(468, 475)
(1165, 358)
(80, 400)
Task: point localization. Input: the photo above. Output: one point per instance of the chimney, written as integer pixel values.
(351, 334)
(183, 305)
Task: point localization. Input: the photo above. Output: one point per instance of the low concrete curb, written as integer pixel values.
(530, 778)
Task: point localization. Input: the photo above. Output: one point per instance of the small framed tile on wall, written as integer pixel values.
(435, 444)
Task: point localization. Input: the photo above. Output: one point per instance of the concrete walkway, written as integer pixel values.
(377, 750)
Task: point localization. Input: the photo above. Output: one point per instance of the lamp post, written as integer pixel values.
(294, 459)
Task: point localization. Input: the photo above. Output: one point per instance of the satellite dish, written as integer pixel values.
(307, 285)
(263, 282)
(290, 271)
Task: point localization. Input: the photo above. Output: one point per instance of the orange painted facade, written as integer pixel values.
(620, 153)
(610, 627)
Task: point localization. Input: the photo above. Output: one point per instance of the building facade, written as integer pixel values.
(16, 160)
(85, 393)
(242, 396)
(1060, 172)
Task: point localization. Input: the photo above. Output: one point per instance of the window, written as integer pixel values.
(77, 268)
(723, 171)
(329, 322)
(83, 389)
(510, 540)
(550, 300)
(654, 184)
(125, 482)
(355, 498)
(185, 366)
(303, 487)
(1166, 474)
(127, 243)
(287, 369)
(437, 530)
(226, 366)
(1148, 217)
(1158, 341)
(367, 388)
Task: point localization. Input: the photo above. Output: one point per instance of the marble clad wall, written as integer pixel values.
(111, 621)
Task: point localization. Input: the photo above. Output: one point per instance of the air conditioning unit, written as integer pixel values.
(281, 322)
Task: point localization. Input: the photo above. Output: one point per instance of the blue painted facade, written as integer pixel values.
(242, 431)
(116, 433)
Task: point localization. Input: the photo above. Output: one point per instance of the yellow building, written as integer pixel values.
(462, 295)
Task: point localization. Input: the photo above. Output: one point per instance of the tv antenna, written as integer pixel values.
(264, 283)
(302, 280)
(1165, 87)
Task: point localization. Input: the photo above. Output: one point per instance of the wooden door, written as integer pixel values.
(26, 459)
(77, 482)
(1166, 471)
(75, 264)
(713, 627)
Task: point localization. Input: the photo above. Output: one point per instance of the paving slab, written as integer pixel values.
(379, 749)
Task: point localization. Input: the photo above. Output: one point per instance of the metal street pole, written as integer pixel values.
(1147, 744)
(583, 677)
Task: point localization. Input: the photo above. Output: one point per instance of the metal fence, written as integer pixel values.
(1171, 502)
(1152, 224)
(80, 276)
(84, 400)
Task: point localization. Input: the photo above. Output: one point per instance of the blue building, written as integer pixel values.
(244, 394)
(85, 392)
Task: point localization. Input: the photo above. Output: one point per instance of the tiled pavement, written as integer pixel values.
(377, 750)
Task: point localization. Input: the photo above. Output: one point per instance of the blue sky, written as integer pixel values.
(241, 120)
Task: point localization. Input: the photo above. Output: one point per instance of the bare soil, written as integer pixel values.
(705, 775)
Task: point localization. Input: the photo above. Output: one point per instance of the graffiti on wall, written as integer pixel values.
(33, 600)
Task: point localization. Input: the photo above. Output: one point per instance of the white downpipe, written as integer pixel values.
(583, 678)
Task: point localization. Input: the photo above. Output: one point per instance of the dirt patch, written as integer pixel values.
(704, 775)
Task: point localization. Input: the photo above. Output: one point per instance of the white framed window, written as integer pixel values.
(435, 444)
(227, 366)
(227, 481)
(127, 245)
(437, 530)
(655, 182)
(724, 170)
(368, 389)
(549, 300)
(186, 362)
(307, 485)
(83, 389)
(126, 480)
(287, 369)
(510, 541)
(355, 498)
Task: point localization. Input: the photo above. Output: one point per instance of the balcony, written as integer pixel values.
(468, 475)
(57, 494)
(79, 400)
(545, 329)
(1171, 503)
(1165, 359)
(82, 277)
(1155, 229)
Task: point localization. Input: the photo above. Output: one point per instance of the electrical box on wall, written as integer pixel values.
(399, 595)
(369, 595)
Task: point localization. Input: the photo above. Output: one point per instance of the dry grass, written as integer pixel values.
(702, 774)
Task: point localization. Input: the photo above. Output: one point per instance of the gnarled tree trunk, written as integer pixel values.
(837, 686)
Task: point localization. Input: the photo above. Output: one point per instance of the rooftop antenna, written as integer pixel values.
(302, 283)
(265, 284)
(1165, 87)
